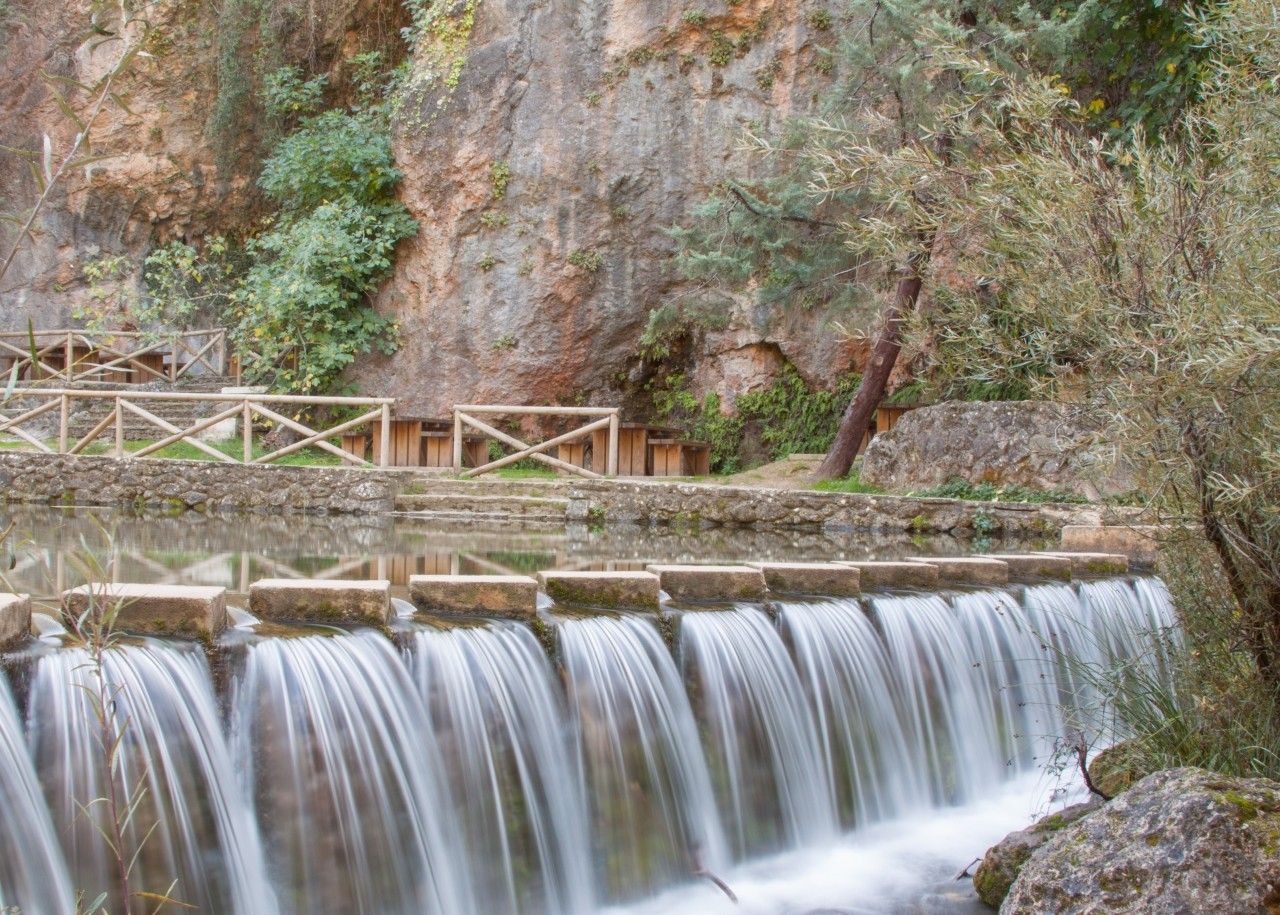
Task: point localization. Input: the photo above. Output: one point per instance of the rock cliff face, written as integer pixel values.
(544, 183)
(612, 121)
(160, 182)
(1011, 443)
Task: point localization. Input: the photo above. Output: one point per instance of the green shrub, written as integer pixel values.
(335, 154)
(795, 419)
(989, 492)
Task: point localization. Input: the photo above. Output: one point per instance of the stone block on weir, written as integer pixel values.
(193, 611)
(1035, 565)
(828, 578)
(15, 618)
(719, 583)
(1140, 542)
(514, 596)
(1095, 563)
(881, 576)
(327, 601)
(610, 590)
(967, 570)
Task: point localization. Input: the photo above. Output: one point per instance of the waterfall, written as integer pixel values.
(760, 738)
(851, 752)
(33, 874)
(191, 829)
(651, 803)
(344, 772)
(499, 718)
(865, 748)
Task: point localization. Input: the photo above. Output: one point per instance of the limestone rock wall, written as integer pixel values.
(1021, 443)
(610, 119)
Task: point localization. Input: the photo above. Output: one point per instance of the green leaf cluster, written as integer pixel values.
(791, 416)
(795, 418)
(301, 314)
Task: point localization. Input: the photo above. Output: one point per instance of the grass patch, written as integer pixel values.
(851, 483)
(988, 492)
(183, 451)
(516, 471)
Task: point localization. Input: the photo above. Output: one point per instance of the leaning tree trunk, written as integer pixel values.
(875, 377)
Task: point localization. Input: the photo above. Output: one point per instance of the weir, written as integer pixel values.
(560, 762)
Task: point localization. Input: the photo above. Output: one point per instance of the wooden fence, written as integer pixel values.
(465, 416)
(117, 356)
(242, 407)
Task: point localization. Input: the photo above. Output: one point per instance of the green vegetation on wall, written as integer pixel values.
(791, 416)
(301, 314)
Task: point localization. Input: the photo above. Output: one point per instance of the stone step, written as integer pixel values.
(484, 506)
(435, 483)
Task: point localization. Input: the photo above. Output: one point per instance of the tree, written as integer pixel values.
(837, 226)
(1139, 281)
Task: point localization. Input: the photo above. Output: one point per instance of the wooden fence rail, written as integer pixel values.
(243, 407)
(465, 416)
(80, 355)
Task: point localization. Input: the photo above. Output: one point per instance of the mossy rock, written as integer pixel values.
(1004, 861)
(1178, 840)
(1118, 767)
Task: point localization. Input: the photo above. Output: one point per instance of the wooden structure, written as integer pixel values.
(673, 457)
(243, 407)
(123, 357)
(633, 447)
(888, 415)
(416, 442)
(605, 418)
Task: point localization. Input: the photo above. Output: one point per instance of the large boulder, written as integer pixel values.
(1032, 444)
(1004, 861)
(1179, 841)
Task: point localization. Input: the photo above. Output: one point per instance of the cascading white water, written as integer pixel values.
(499, 718)
(761, 742)
(651, 805)
(344, 770)
(843, 664)
(33, 874)
(464, 782)
(191, 828)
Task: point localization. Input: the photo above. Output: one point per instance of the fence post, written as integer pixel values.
(246, 432)
(613, 444)
(64, 424)
(173, 365)
(384, 438)
(222, 352)
(457, 441)
(68, 355)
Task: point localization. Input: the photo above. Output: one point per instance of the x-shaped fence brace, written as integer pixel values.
(244, 407)
(464, 416)
(211, 354)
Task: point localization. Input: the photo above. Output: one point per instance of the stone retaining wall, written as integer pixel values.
(211, 486)
(703, 505)
(199, 485)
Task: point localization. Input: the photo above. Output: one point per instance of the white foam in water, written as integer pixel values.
(902, 865)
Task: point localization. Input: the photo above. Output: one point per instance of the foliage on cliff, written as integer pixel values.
(813, 232)
(301, 314)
